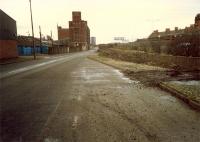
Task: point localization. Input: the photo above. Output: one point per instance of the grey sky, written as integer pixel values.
(106, 18)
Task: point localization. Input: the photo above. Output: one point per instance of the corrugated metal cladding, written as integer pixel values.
(8, 28)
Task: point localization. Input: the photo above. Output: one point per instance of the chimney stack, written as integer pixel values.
(176, 29)
(167, 30)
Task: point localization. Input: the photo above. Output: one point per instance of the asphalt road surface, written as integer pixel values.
(75, 99)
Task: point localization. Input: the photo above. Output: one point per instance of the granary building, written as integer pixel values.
(78, 33)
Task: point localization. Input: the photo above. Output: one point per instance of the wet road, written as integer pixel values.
(80, 100)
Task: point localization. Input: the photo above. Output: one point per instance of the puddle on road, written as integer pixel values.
(89, 76)
(94, 74)
(100, 76)
(115, 87)
(79, 98)
(46, 57)
(96, 81)
(75, 97)
(51, 140)
(121, 75)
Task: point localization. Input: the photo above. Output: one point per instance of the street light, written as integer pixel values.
(34, 54)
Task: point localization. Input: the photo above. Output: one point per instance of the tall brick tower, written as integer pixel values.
(76, 16)
(79, 31)
(197, 21)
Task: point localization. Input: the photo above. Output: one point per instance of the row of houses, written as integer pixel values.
(184, 42)
(172, 34)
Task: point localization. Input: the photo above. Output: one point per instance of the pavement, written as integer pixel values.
(13, 68)
(27, 58)
(74, 99)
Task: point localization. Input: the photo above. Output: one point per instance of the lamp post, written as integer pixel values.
(34, 54)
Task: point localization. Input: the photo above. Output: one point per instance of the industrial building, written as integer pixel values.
(78, 33)
(8, 34)
(93, 41)
(197, 21)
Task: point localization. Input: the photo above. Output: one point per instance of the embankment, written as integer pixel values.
(168, 61)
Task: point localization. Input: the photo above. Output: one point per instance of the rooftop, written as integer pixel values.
(197, 17)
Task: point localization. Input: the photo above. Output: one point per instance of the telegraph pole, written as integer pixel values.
(34, 54)
(40, 39)
(58, 38)
(52, 38)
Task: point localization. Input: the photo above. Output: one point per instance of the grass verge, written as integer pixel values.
(155, 77)
(125, 66)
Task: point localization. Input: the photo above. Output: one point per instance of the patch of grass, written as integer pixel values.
(192, 92)
(124, 66)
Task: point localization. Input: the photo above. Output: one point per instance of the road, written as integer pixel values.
(75, 99)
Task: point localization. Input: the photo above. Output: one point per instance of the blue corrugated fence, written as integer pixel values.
(27, 51)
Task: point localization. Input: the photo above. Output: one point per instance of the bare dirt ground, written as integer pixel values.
(147, 74)
(153, 76)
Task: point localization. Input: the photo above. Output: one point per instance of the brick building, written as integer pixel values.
(8, 34)
(93, 41)
(182, 42)
(167, 34)
(172, 34)
(197, 21)
(78, 32)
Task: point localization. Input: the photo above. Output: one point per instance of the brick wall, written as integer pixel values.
(8, 49)
(62, 50)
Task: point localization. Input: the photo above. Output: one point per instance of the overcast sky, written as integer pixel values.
(106, 18)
